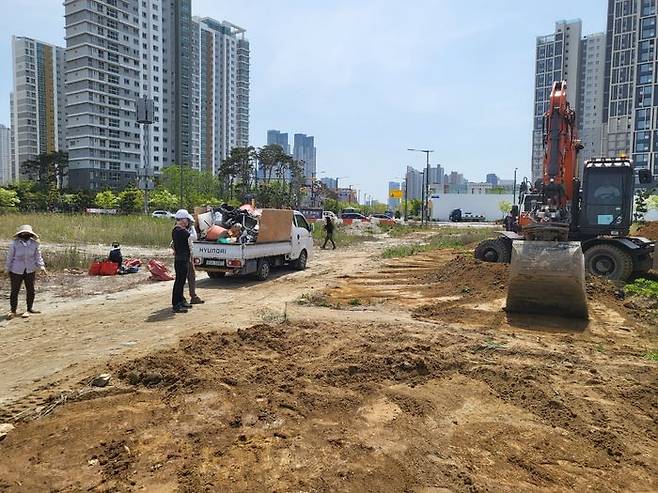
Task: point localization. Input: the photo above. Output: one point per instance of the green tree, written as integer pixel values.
(164, 199)
(130, 201)
(414, 207)
(48, 170)
(652, 202)
(8, 199)
(641, 204)
(237, 171)
(271, 158)
(106, 200)
(198, 187)
(504, 206)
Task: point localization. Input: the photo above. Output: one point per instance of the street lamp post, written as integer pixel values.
(145, 110)
(514, 188)
(426, 182)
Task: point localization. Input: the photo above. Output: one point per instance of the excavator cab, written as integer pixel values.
(606, 200)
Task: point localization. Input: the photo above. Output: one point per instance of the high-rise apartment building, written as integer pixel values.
(278, 138)
(437, 175)
(492, 178)
(304, 150)
(37, 100)
(557, 58)
(220, 91)
(107, 69)
(631, 98)
(196, 71)
(415, 181)
(5, 155)
(330, 183)
(589, 116)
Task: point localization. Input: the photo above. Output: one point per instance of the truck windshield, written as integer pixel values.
(605, 198)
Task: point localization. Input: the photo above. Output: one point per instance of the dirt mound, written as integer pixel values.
(467, 275)
(365, 407)
(649, 230)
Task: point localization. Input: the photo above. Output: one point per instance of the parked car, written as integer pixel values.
(333, 217)
(382, 219)
(352, 217)
(163, 214)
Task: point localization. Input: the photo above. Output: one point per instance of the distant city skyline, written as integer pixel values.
(368, 105)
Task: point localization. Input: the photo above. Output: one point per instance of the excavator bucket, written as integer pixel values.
(547, 278)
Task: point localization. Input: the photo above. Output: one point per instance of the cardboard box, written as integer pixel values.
(274, 225)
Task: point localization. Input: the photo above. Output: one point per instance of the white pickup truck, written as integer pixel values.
(219, 259)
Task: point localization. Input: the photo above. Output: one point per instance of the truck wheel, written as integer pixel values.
(216, 275)
(497, 250)
(263, 270)
(300, 263)
(609, 261)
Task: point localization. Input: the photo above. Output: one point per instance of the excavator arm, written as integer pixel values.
(547, 272)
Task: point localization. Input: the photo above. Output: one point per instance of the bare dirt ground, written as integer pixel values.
(392, 375)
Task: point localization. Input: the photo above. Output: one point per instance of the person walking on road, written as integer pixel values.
(191, 272)
(329, 228)
(180, 237)
(23, 260)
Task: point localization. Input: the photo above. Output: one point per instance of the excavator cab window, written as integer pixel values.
(606, 199)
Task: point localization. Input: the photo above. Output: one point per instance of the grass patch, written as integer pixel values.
(447, 238)
(341, 238)
(92, 229)
(355, 302)
(643, 287)
(68, 258)
(400, 230)
(315, 299)
(651, 355)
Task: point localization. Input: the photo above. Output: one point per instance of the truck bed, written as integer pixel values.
(249, 251)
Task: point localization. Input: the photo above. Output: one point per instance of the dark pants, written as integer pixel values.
(177, 296)
(191, 279)
(16, 282)
(329, 237)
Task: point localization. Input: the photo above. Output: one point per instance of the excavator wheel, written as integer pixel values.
(609, 261)
(547, 278)
(642, 265)
(494, 250)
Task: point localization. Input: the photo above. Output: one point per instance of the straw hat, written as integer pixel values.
(26, 228)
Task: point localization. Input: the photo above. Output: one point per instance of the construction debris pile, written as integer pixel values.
(226, 224)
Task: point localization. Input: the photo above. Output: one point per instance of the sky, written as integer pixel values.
(372, 78)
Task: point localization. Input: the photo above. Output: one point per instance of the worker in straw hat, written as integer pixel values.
(23, 261)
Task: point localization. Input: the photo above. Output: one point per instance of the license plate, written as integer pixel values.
(218, 263)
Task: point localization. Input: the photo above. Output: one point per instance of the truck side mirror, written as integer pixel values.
(645, 177)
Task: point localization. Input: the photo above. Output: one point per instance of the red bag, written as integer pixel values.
(159, 271)
(132, 262)
(95, 268)
(108, 268)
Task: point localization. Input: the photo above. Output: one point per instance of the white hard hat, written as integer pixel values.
(183, 214)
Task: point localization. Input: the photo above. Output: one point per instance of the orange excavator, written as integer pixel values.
(567, 225)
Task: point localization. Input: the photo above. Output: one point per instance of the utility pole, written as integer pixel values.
(424, 216)
(406, 185)
(145, 111)
(514, 188)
